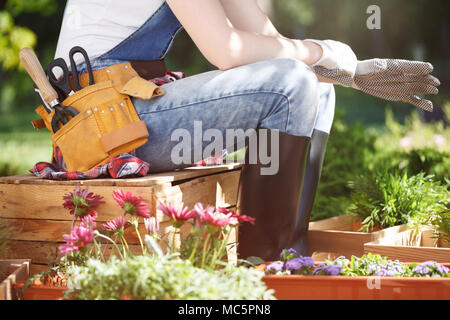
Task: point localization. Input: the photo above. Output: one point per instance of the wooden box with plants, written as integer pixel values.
(373, 277)
(384, 206)
(196, 268)
(12, 271)
(419, 244)
(33, 206)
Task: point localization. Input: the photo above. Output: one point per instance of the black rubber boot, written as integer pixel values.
(312, 176)
(272, 199)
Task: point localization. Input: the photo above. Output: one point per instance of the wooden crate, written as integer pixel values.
(339, 236)
(33, 206)
(12, 271)
(411, 245)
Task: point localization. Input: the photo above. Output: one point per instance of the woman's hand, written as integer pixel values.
(338, 62)
(397, 80)
(389, 79)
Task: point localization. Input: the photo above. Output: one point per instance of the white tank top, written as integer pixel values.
(100, 25)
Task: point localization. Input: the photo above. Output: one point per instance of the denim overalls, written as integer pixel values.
(281, 94)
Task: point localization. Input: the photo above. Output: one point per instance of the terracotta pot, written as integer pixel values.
(298, 287)
(41, 291)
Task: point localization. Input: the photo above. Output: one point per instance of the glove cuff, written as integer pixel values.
(325, 52)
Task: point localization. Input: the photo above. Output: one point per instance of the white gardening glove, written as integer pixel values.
(397, 80)
(338, 62)
(390, 79)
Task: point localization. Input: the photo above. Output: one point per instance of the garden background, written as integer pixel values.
(373, 144)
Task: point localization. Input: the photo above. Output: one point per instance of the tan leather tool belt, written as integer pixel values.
(107, 123)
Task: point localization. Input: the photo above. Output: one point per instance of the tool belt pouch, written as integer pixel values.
(107, 123)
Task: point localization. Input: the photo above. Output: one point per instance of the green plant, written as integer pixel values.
(440, 218)
(162, 277)
(367, 265)
(428, 160)
(386, 199)
(349, 148)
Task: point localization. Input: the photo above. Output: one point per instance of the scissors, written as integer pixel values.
(62, 84)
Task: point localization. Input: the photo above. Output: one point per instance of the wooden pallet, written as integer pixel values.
(411, 245)
(12, 271)
(339, 236)
(33, 206)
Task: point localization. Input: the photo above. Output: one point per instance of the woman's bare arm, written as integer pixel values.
(247, 15)
(226, 46)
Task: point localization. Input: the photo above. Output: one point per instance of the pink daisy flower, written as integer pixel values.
(80, 202)
(116, 224)
(178, 215)
(218, 219)
(88, 221)
(131, 204)
(151, 225)
(240, 217)
(78, 238)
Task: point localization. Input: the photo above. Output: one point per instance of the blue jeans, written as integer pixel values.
(279, 94)
(282, 94)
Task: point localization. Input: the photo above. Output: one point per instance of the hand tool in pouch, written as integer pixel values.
(49, 95)
(73, 66)
(63, 82)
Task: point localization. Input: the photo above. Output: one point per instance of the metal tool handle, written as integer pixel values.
(35, 71)
(63, 82)
(73, 66)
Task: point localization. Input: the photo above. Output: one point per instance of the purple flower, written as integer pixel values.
(327, 270)
(300, 265)
(430, 269)
(275, 267)
(287, 254)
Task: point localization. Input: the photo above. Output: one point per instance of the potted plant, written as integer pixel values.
(368, 277)
(162, 277)
(204, 247)
(384, 204)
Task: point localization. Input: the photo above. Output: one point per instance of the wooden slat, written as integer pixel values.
(407, 254)
(340, 235)
(149, 180)
(410, 245)
(334, 223)
(37, 251)
(45, 201)
(346, 244)
(52, 230)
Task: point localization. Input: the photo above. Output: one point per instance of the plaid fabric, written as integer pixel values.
(213, 160)
(124, 165)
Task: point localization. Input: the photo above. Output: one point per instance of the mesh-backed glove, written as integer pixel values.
(390, 79)
(397, 80)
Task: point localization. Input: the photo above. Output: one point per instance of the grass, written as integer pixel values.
(21, 150)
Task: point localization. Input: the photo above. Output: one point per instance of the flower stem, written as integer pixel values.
(112, 241)
(144, 251)
(191, 256)
(218, 253)
(205, 247)
(99, 250)
(172, 246)
(125, 245)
